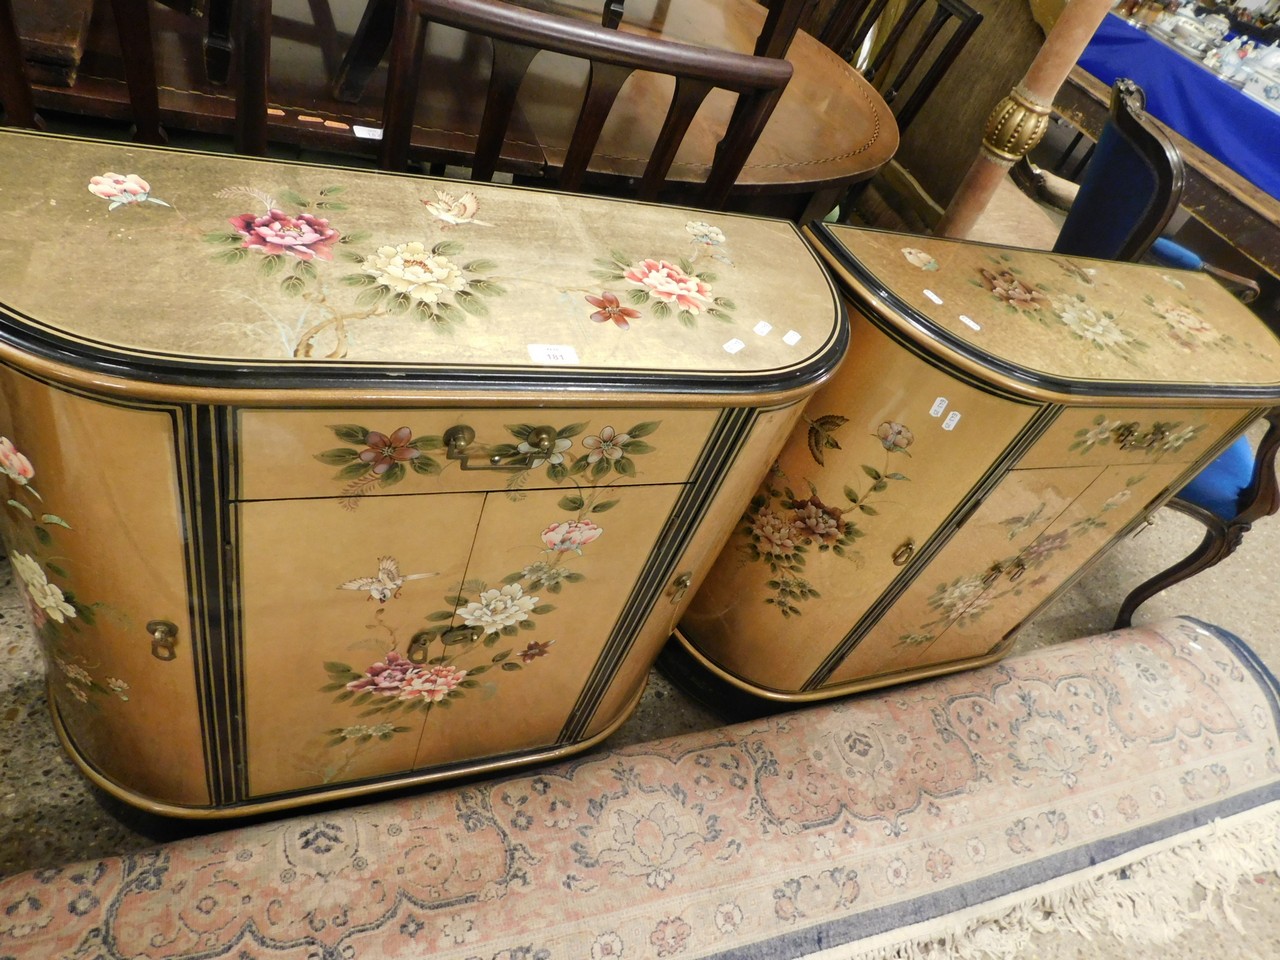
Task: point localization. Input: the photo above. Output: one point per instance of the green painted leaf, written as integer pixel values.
(372, 296)
(644, 429)
(625, 466)
(296, 199)
(472, 304)
(604, 506)
(637, 446)
(512, 666)
(350, 432)
(638, 298)
(557, 471)
(480, 266)
(357, 280)
(338, 456)
(305, 269)
(600, 469)
(43, 536)
(234, 255)
(869, 510)
(476, 671)
(427, 466)
(451, 313)
(570, 503)
(355, 236)
(487, 288)
(572, 430)
(293, 285)
(400, 303)
(441, 615)
(871, 472)
(270, 264)
(353, 471)
(332, 191)
(447, 248)
(661, 310)
(227, 238)
(21, 508)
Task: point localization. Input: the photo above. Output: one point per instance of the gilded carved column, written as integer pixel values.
(1020, 119)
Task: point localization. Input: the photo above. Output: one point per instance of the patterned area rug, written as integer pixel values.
(1102, 785)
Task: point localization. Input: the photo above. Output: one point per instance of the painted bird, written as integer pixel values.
(387, 583)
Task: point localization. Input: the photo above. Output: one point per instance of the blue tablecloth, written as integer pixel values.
(1190, 98)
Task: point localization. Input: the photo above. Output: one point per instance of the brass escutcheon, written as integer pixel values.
(164, 636)
(904, 553)
(680, 586)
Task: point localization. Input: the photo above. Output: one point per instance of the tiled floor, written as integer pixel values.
(49, 814)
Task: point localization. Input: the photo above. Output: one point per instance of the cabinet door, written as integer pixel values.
(956, 587)
(883, 455)
(1052, 559)
(93, 522)
(423, 631)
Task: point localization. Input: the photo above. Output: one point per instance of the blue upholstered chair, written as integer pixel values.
(1228, 496)
(1129, 192)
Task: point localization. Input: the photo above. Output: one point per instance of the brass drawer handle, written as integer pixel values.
(1129, 435)
(164, 635)
(1017, 570)
(458, 439)
(992, 574)
(680, 586)
(904, 553)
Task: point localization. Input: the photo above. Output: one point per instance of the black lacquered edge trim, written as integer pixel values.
(1145, 389)
(101, 359)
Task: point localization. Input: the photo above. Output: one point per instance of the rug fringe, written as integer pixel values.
(1152, 899)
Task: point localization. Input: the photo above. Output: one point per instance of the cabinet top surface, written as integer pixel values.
(192, 262)
(1069, 324)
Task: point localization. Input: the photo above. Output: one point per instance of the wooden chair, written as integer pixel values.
(518, 36)
(15, 88)
(1228, 497)
(906, 57)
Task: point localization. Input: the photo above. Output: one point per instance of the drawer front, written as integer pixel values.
(1132, 437)
(881, 457)
(420, 632)
(354, 453)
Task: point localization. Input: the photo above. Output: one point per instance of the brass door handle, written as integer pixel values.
(680, 586)
(458, 439)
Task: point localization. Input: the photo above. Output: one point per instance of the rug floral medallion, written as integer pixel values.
(775, 838)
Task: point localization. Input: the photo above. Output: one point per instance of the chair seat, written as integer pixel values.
(1217, 488)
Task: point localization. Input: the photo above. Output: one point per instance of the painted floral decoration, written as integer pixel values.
(666, 287)
(57, 614)
(782, 528)
(122, 190)
(292, 235)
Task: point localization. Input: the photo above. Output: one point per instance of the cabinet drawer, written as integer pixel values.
(348, 453)
(1136, 436)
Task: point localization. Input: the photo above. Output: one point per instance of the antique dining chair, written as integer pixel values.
(518, 35)
(910, 55)
(1128, 194)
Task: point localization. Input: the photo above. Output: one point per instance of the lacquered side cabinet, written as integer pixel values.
(340, 481)
(1003, 417)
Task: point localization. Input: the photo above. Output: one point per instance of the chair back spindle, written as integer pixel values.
(519, 35)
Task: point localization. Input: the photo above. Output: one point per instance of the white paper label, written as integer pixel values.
(734, 345)
(791, 338)
(762, 328)
(938, 406)
(952, 419)
(553, 353)
(934, 297)
(972, 324)
(367, 133)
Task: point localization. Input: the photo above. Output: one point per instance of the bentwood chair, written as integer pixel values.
(517, 36)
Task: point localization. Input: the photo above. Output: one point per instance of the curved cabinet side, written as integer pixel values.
(92, 523)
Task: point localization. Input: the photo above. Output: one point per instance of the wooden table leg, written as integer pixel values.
(372, 37)
(253, 48)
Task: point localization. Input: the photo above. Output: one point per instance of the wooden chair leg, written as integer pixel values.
(253, 51)
(371, 40)
(133, 24)
(217, 42)
(1218, 543)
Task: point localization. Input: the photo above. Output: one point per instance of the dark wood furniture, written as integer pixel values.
(15, 87)
(903, 60)
(518, 36)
